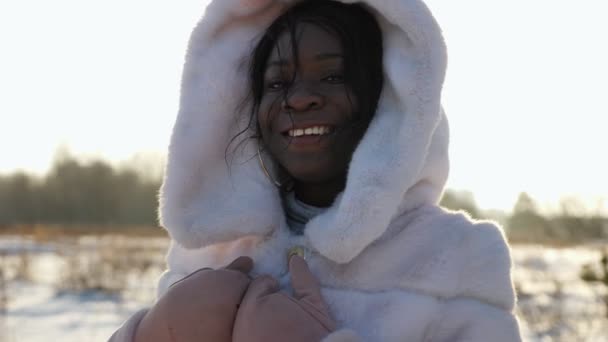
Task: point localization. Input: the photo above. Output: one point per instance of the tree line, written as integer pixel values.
(96, 193)
(526, 222)
(74, 192)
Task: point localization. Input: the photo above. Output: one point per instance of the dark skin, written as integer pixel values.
(311, 94)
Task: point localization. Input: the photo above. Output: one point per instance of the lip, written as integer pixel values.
(308, 143)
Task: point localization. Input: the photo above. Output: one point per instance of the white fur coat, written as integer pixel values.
(393, 265)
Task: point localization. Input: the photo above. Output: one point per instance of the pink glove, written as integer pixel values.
(269, 315)
(200, 307)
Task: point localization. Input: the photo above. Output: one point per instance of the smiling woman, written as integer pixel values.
(311, 100)
(343, 102)
(313, 104)
(302, 100)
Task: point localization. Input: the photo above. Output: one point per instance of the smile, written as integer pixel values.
(308, 131)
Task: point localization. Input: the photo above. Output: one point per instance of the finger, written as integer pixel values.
(305, 285)
(191, 275)
(242, 264)
(260, 287)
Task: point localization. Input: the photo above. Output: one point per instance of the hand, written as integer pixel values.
(200, 307)
(269, 315)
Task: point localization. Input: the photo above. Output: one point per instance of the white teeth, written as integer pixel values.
(316, 130)
(296, 132)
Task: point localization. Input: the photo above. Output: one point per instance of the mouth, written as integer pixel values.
(309, 137)
(316, 130)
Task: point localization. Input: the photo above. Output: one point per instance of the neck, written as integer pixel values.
(320, 195)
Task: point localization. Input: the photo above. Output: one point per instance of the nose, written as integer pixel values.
(302, 99)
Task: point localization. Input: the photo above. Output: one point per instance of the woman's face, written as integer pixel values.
(306, 112)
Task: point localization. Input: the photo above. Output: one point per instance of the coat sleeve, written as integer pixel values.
(126, 333)
(472, 321)
(461, 320)
(480, 308)
(483, 308)
(343, 335)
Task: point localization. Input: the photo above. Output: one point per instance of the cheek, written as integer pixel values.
(351, 100)
(263, 122)
(345, 100)
(266, 112)
(262, 113)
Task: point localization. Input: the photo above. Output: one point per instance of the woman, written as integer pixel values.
(337, 154)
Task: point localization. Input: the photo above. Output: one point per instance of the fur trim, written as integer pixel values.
(401, 162)
(343, 335)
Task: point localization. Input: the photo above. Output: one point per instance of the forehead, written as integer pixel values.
(310, 40)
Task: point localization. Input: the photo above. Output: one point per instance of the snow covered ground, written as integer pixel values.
(75, 289)
(554, 303)
(83, 289)
(39, 313)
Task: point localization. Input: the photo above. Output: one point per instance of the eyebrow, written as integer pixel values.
(318, 57)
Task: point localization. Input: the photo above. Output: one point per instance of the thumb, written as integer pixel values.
(242, 264)
(305, 285)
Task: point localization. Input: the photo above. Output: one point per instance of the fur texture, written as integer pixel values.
(343, 335)
(392, 264)
(402, 159)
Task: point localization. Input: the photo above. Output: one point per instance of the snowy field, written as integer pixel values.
(82, 289)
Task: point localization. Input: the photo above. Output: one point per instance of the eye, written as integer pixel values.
(274, 85)
(334, 79)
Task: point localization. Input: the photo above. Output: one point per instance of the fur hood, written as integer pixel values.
(400, 164)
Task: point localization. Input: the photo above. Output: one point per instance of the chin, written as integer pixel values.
(311, 180)
(309, 176)
(314, 173)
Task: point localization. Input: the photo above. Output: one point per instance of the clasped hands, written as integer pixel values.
(227, 305)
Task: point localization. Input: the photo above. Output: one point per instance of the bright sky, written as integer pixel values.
(525, 92)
